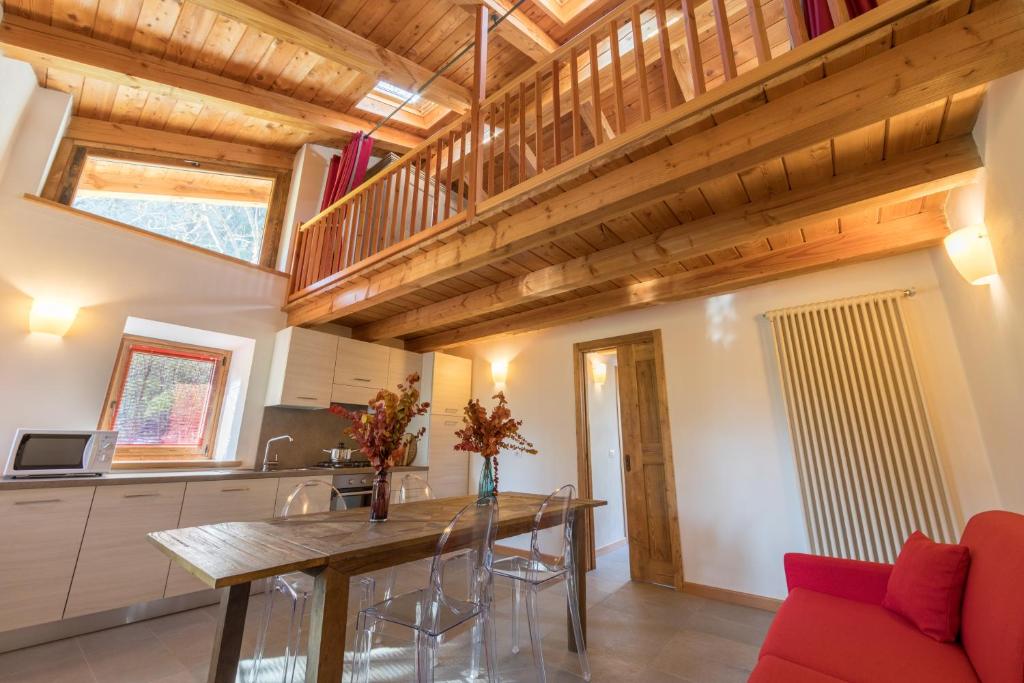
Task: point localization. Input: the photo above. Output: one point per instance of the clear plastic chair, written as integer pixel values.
(551, 560)
(296, 586)
(433, 612)
(413, 488)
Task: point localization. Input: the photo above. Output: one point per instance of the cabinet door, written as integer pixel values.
(318, 497)
(358, 396)
(118, 566)
(40, 535)
(302, 368)
(401, 365)
(449, 469)
(213, 502)
(360, 364)
(451, 384)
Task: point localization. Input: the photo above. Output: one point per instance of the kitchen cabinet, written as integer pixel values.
(447, 383)
(302, 368)
(360, 370)
(117, 566)
(319, 497)
(448, 472)
(213, 502)
(401, 365)
(40, 536)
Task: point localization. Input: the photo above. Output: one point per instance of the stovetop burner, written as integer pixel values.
(342, 464)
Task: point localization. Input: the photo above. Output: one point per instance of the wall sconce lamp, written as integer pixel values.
(600, 370)
(970, 251)
(51, 317)
(499, 371)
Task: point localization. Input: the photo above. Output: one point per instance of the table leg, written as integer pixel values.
(325, 655)
(579, 550)
(227, 644)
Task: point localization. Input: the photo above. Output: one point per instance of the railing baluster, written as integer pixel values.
(641, 64)
(795, 22)
(437, 186)
(338, 240)
(493, 123)
(595, 91)
(416, 167)
(693, 48)
(673, 94)
(448, 173)
(463, 159)
(620, 104)
(506, 134)
(426, 189)
(839, 11)
(758, 31)
(556, 110)
(522, 132)
(725, 39)
(402, 228)
(538, 103)
(574, 85)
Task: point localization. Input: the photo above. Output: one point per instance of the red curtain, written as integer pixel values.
(348, 169)
(819, 19)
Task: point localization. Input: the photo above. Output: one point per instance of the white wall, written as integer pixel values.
(19, 82)
(605, 453)
(111, 274)
(989, 320)
(738, 499)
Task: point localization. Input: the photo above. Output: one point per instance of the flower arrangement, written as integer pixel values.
(380, 430)
(488, 435)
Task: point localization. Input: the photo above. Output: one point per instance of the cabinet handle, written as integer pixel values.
(307, 398)
(361, 379)
(37, 502)
(243, 488)
(451, 410)
(141, 495)
(450, 423)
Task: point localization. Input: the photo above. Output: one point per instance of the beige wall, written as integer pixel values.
(989, 320)
(738, 499)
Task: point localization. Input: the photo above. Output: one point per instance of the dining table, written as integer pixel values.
(333, 547)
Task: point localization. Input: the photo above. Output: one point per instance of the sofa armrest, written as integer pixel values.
(850, 579)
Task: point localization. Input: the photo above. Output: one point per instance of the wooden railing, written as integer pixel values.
(607, 81)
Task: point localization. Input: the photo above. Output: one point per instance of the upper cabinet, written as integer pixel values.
(302, 369)
(360, 370)
(447, 383)
(403, 364)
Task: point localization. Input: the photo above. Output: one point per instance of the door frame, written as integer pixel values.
(584, 472)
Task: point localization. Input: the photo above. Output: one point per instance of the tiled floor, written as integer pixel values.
(637, 633)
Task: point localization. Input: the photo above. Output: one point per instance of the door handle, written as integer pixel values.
(629, 464)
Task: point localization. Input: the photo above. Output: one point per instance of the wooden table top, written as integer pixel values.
(231, 553)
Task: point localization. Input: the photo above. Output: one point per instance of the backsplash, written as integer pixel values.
(313, 431)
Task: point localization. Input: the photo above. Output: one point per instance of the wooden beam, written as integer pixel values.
(101, 176)
(51, 46)
(895, 237)
(518, 30)
(296, 24)
(975, 49)
(928, 171)
(134, 138)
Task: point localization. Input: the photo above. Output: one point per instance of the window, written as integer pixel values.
(216, 210)
(165, 399)
(385, 98)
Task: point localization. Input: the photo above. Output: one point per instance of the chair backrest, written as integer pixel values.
(551, 539)
(992, 629)
(470, 533)
(307, 498)
(414, 488)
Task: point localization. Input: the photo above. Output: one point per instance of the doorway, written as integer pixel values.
(624, 454)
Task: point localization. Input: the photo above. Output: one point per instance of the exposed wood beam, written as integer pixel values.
(905, 234)
(518, 30)
(101, 177)
(296, 24)
(975, 49)
(928, 171)
(51, 46)
(134, 138)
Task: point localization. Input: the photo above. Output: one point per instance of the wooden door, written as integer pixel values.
(650, 512)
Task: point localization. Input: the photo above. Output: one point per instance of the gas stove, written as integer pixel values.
(342, 464)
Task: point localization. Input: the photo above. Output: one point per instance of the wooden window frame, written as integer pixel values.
(62, 182)
(165, 453)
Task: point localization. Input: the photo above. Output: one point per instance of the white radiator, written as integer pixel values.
(865, 453)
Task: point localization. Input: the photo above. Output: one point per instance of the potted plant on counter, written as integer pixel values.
(488, 435)
(380, 431)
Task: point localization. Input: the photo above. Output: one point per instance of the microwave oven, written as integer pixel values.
(60, 453)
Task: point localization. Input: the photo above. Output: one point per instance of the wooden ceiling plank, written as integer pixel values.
(36, 42)
(297, 25)
(779, 218)
(916, 232)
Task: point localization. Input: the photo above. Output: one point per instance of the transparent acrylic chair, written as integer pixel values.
(433, 612)
(297, 587)
(413, 488)
(551, 560)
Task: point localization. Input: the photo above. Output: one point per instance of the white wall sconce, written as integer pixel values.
(600, 371)
(51, 317)
(970, 251)
(499, 371)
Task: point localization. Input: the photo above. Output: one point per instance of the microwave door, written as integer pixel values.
(52, 452)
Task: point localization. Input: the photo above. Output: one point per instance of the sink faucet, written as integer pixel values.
(267, 464)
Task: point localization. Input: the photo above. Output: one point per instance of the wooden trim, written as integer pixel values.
(85, 215)
(669, 457)
(175, 454)
(143, 465)
(733, 597)
(584, 474)
(612, 547)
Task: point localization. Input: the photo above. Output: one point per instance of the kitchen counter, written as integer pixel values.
(168, 476)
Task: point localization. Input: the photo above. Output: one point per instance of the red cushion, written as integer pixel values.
(927, 585)
(860, 643)
(993, 612)
(774, 670)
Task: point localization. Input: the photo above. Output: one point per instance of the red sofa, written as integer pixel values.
(833, 628)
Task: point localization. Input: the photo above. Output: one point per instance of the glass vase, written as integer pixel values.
(488, 487)
(380, 497)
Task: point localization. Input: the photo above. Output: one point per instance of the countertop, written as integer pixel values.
(168, 476)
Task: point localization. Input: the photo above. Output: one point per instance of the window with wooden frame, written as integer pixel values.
(165, 399)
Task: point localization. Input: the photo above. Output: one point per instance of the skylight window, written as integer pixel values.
(388, 99)
(396, 92)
